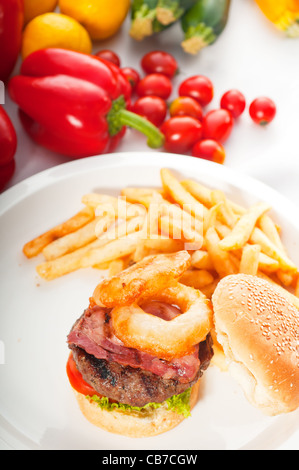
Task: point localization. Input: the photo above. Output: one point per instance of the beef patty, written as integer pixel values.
(134, 386)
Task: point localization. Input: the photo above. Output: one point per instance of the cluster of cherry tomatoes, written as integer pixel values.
(188, 129)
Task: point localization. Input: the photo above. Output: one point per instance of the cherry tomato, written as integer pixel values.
(159, 62)
(109, 55)
(155, 84)
(209, 150)
(6, 173)
(152, 108)
(76, 379)
(186, 106)
(234, 101)
(217, 125)
(181, 133)
(198, 87)
(132, 76)
(262, 110)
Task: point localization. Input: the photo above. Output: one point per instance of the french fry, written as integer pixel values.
(211, 217)
(235, 260)
(115, 206)
(68, 263)
(149, 229)
(141, 250)
(36, 246)
(269, 228)
(297, 287)
(197, 278)
(177, 230)
(163, 245)
(267, 264)
(115, 249)
(209, 290)
(78, 239)
(225, 211)
(180, 195)
(250, 259)
(244, 227)
(105, 252)
(204, 195)
(267, 247)
(116, 266)
(120, 229)
(199, 191)
(72, 261)
(102, 266)
(222, 229)
(286, 279)
(165, 208)
(142, 196)
(220, 258)
(200, 259)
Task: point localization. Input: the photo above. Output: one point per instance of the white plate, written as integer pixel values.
(37, 407)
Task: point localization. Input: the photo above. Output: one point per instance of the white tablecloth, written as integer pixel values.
(252, 56)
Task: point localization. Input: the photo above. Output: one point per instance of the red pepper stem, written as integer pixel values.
(119, 116)
(155, 137)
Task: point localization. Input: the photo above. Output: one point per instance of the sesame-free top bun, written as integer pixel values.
(258, 329)
(133, 424)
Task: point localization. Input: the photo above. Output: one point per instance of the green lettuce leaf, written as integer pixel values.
(178, 403)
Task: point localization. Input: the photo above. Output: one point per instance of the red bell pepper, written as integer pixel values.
(75, 104)
(8, 146)
(11, 25)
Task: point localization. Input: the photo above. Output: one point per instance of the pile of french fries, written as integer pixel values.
(223, 238)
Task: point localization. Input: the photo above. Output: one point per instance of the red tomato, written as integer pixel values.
(6, 173)
(155, 85)
(198, 87)
(132, 76)
(76, 379)
(217, 125)
(159, 62)
(186, 106)
(234, 102)
(109, 55)
(262, 110)
(152, 108)
(209, 150)
(181, 133)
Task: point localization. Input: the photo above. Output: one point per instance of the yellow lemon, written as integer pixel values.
(35, 8)
(55, 30)
(101, 18)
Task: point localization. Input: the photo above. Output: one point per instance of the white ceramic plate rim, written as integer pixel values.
(67, 171)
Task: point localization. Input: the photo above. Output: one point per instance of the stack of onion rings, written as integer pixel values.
(156, 278)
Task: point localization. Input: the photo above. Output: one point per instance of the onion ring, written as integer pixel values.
(142, 280)
(166, 339)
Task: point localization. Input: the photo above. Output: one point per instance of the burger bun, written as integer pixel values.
(258, 328)
(133, 423)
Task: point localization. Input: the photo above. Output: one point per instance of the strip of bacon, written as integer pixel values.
(93, 333)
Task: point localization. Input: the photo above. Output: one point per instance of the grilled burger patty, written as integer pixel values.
(130, 385)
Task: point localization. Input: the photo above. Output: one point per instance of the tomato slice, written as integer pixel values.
(76, 379)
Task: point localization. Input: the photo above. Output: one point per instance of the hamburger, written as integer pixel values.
(126, 390)
(257, 325)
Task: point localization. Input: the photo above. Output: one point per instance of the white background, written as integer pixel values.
(251, 55)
